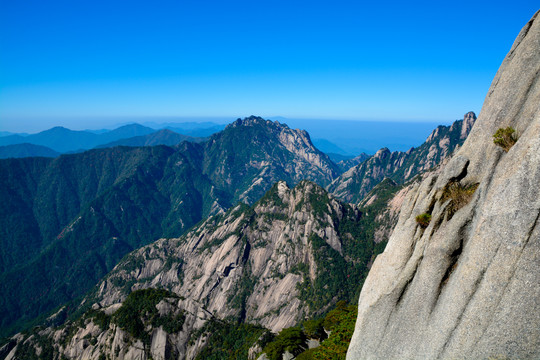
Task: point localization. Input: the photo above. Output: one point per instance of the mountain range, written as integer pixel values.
(79, 214)
(52, 142)
(250, 244)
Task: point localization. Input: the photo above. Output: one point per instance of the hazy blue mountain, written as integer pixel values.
(58, 138)
(161, 137)
(196, 131)
(336, 158)
(192, 128)
(26, 150)
(328, 147)
(126, 131)
(65, 140)
(12, 139)
(8, 133)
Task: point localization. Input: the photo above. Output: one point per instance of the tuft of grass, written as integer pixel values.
(460, 195)
(505, 138)
(423, 220)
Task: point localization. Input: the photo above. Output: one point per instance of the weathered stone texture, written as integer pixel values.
(468, 286)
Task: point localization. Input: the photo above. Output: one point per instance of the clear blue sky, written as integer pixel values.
(337, 59)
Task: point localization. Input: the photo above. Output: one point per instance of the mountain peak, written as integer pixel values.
(382, 153)
(256, 120)
(468, 121)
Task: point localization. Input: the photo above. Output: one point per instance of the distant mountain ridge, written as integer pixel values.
(160, 137)
(63, 140)
(356, 182)
(26, 150)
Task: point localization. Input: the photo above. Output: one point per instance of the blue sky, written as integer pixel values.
(64, 62)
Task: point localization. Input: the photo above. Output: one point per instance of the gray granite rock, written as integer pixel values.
(468, 285)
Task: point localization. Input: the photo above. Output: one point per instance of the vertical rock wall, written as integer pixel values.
(468, 284)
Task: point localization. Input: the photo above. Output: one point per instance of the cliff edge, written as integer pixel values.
(463, 281)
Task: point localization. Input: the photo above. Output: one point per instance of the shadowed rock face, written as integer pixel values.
(468, 285)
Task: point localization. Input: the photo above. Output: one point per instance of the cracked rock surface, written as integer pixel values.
(468, 285)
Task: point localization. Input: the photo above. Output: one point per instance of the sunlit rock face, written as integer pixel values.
(468, 284)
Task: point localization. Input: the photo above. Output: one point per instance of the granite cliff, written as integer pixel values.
(463, 280)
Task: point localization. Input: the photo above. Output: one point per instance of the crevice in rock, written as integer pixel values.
(453, 260)
(474, 289)
(437, 224)
(407, 284)
(245, 254)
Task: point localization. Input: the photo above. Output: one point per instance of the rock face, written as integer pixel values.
(468, 284)
(345, 165)
(290, 256)
(353, 185)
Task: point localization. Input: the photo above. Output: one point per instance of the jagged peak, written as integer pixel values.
(468, 121)
(282, 191)
(469, 115)
(308, 186)
(382, 153)
(255, 120)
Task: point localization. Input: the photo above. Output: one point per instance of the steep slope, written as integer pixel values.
(88, 211)
(292, 255)
(400, 166)
(251, 154)
(161, 137)
(466, 283)
(26, 150)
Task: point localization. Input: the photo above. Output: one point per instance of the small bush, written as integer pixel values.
(314, 329)
(461, 195)
(423, 220)
(505, 138)
(291, 339)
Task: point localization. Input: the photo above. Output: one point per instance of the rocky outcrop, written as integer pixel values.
(353, 185)
(467, 285)
(345, 165)
(290, 256)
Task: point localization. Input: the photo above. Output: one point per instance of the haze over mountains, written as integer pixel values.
(337, 138)
(62, 140)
